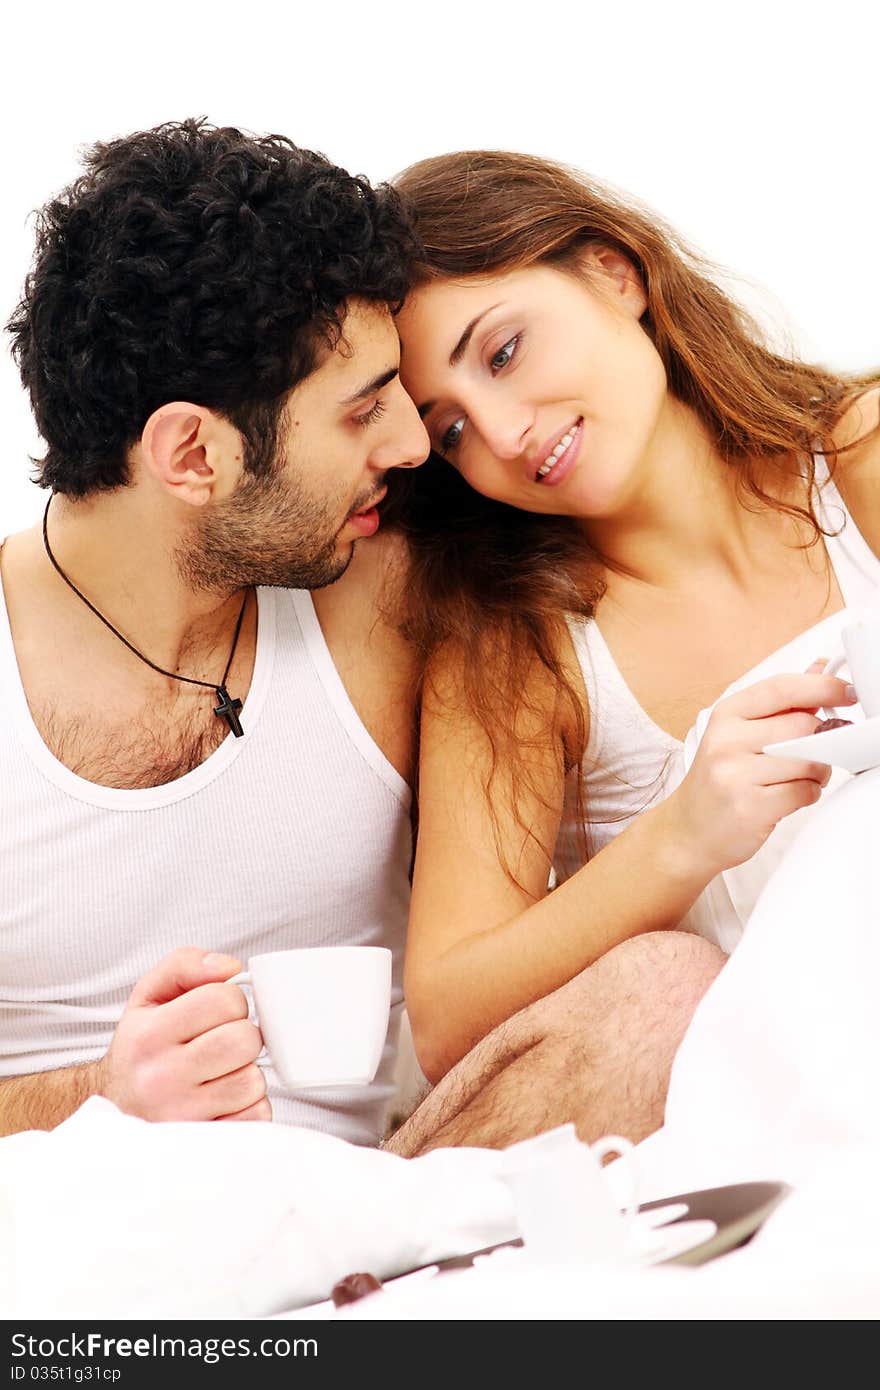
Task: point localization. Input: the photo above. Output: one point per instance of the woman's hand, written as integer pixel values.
(734, 794)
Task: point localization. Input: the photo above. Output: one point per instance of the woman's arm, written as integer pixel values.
(482, 946)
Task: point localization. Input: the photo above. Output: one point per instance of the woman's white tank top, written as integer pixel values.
(631, 763)
(297, 834)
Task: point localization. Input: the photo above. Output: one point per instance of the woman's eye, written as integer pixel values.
(504, 355)
(452, 436)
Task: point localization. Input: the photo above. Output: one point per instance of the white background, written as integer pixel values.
(752, 127)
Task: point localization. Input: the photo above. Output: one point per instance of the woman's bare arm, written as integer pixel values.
(482, 944)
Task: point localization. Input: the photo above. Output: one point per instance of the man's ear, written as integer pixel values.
(619, 276)
(191, 452)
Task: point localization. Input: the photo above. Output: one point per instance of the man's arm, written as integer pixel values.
(44, 1099)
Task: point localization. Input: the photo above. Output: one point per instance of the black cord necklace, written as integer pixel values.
(227, 708)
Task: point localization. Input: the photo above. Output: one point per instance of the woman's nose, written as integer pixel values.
(504, 428)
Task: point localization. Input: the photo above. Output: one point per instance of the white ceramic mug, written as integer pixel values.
(564, 1204)
(323, 1012)
(861, 655)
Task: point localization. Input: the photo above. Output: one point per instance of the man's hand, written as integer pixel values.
(184, 1048)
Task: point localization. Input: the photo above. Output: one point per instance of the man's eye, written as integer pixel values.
(452, 436)
(504, 355)
(377, 409)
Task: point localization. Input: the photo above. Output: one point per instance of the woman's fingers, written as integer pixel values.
(777, 771)
(786, 797)
(778, 728)
(792, 691)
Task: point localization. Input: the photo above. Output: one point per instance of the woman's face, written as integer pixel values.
(543, 390)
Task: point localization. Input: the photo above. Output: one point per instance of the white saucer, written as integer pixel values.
(855, 747)
(650, 1244)
(654, 1246)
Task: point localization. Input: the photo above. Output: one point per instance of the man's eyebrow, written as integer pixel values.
(370, 387)
(458, 352)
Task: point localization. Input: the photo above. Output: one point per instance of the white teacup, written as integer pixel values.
(861, 655)
(323, 1012)
(564, 1203)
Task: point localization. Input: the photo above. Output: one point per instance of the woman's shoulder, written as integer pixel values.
(857, 470)
(857, 434)
(539, 699)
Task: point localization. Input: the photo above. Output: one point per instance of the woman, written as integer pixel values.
(631, 513)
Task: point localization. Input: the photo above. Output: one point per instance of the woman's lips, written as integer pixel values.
(564, 462)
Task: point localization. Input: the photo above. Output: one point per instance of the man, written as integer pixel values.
(199, 761)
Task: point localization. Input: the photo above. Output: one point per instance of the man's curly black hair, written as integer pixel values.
(198, 263)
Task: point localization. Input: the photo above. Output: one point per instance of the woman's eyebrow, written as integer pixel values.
(460, 348)
(459, 351)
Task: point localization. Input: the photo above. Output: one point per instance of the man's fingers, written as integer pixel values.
(181, 971)
(225, 1049)
(203, 1009)
(792, 691)
(261, 1111)
(237, 1091)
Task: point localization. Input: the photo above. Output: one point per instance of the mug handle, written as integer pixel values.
(834, 665)
(621, 1148)
(244, 978)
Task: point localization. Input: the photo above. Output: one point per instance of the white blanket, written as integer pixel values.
(776, 1079)
(112, 1216)
(779, 1068)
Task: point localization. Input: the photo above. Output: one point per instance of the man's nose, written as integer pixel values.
(407, 444)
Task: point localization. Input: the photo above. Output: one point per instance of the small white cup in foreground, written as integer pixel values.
(861, 655)
(323, 1012)
(564, 1204)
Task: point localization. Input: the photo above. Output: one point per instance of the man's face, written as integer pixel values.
(343, 428)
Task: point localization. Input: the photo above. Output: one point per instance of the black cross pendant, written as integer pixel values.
(228, 710)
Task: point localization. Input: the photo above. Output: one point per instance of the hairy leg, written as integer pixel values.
(597, 1052)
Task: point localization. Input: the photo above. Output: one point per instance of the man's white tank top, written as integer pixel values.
(296, 834)
(631, 763)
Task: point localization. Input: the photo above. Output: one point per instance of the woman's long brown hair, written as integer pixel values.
(493, 584)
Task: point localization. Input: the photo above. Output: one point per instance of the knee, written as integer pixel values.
(670, 969)
(653, 980)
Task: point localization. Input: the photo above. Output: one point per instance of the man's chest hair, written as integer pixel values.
(132, 753)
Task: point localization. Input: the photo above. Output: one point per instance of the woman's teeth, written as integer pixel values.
(565, 443)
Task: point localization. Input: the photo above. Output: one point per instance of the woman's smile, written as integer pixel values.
(560, 458)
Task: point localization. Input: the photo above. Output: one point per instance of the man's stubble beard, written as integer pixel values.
(268, 532)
